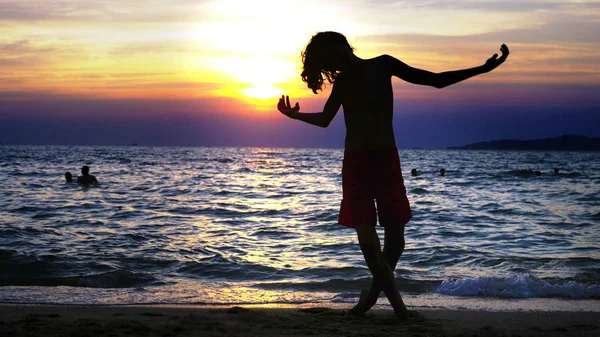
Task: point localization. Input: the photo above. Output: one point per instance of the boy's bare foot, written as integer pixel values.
(358, 309)
(368, 298)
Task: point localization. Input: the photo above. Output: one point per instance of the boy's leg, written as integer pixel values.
(392, 250)
(383, 275)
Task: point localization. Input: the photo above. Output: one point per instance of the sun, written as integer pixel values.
(262, 92)
(259, 77)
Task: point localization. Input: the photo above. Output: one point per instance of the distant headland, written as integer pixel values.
(562, 143)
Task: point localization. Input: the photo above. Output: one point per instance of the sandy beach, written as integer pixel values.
(26, 320)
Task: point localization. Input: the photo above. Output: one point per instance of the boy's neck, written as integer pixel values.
(351, 63)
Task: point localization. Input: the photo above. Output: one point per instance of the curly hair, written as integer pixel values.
(317, 66)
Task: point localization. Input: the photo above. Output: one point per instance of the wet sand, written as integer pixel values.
(26, 320)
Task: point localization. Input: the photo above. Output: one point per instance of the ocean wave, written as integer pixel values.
(418, 190)
(218, 267)
(462, 183)
(25, 209)
(325, 216)
(25, 174)
(350, 287)
(517, 287)
(273, 233)
(112, 279)
(117, 279)
(521, 173)
(222, 160)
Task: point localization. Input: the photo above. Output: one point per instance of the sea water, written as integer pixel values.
(198, 225)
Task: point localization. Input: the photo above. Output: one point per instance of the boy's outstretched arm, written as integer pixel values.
(321, 119)
(441, 80)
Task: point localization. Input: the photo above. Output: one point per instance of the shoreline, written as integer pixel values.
(287, 320)
(220, 297)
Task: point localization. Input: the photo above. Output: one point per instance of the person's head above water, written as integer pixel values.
(86, 177)
(325, 55)
(68, 177)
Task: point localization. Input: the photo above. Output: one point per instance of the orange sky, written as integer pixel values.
(246, 53)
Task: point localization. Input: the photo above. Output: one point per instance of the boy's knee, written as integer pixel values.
(370, 251)
(400, 244)
(367, 235)
(374, 256)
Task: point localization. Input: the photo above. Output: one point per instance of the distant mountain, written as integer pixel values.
(562, 143)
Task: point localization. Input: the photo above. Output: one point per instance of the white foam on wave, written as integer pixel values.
(517, 286)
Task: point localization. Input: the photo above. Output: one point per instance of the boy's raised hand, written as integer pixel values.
(495, 61)
(285, 108)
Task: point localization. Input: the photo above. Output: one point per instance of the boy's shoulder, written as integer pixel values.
(383, 60)
(385, 57)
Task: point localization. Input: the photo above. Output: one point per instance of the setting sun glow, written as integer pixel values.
(262, 91)
(260, 76)
(239, 56)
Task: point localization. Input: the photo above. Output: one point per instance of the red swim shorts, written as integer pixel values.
(369, 176)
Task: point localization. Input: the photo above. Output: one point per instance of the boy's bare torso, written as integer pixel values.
(367, 98)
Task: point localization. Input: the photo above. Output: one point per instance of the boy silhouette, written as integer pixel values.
(371, 165)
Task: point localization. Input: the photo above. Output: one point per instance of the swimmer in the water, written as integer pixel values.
(414, 172)
(442, 172)
(86, 177)
(68, 177)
